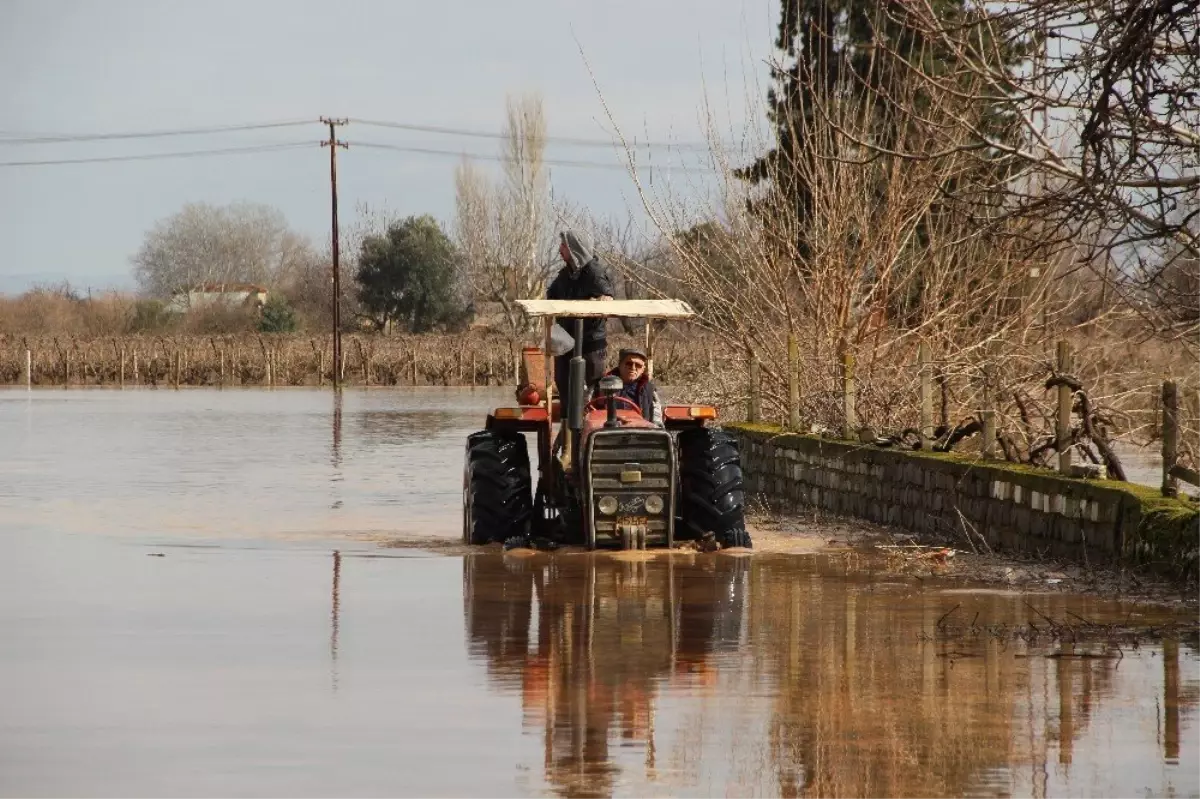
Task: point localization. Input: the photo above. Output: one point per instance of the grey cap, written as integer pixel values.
(638, 351)
(580, 246)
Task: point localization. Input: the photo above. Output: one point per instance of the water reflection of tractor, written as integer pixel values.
(609, 477)
(588, 639)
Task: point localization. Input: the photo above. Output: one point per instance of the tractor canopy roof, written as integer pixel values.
(633, 309)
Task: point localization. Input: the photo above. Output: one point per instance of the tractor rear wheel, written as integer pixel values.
(497, 501)
(712, 494)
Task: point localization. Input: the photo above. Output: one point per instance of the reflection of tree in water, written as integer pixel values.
(403, 427)
(864, 707)
(589, 638)
(867, 706)
(860, 703)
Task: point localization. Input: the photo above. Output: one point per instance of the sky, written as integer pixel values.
(132, 67)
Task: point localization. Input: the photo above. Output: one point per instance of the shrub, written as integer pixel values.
(277, 316)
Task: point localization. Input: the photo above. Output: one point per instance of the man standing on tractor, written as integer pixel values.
(582, 277)
(637, 387)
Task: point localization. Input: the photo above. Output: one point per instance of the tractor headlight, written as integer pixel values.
(607, 505)
(654, 504)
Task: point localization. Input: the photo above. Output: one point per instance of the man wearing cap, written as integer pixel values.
(637, 386)
(582, 277)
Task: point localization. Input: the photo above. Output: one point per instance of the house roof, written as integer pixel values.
(227, 288)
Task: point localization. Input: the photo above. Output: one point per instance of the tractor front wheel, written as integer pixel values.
(497, 501)
(711, 492)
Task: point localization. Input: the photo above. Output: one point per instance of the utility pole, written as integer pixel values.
(333, 144)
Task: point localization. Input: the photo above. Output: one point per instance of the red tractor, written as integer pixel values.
(609, 478)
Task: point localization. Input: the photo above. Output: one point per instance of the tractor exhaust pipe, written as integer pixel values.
(577, 379)
(609, 386)
(575, 412)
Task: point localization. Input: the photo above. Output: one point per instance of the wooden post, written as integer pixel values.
(135, 367)
(122, 367)
(548, 373)
(320, 368)
(177, 369)
(755, 412)
(221, 373)
(1172, 701)
(548, 474)
(474, 369)
(793, 383)
(849, 397)
(1170, 437)
(923, 360)
(650, 350)
(28, 369)
(943, 397)
(1063, 431)
(988, 414)
(989, 432)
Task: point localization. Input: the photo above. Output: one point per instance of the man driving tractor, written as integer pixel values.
(637, 387)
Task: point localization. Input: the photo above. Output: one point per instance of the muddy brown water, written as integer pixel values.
(175, 623)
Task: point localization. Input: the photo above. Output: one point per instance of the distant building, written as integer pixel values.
(230, 295)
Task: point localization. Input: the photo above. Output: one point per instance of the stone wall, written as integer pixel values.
(1014, 508)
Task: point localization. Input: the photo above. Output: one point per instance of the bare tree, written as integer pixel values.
(919, 229)
(210, 244)
(309, 286)
(1107, 163)
(504, 231)
(878, 266)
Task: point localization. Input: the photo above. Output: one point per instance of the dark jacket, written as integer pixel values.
(590, 282)
(643, 392)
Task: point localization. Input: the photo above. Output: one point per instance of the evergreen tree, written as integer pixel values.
(832, 51)
(277, 316)
(408, 276)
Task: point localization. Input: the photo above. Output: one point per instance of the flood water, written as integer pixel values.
(260, 593)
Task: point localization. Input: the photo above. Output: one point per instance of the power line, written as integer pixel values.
(547, 161)
(261, 148)
(54, 138)
(28, 137)
(578, 142)
(257, 148)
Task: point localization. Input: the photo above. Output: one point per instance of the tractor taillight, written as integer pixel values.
(508, 413)
(702, 412)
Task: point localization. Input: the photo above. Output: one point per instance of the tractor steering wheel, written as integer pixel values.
(601, 402)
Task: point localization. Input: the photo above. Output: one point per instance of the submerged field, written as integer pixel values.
(262, 592)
